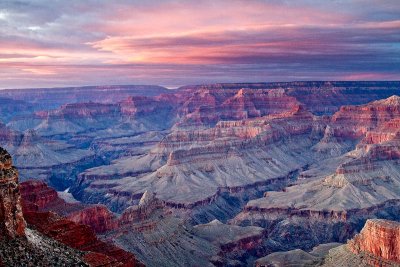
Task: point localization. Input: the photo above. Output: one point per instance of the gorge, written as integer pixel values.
(214, 175)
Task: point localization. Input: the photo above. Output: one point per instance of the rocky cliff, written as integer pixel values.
(378, 238)
(376, 245)
(80, 237)
(38, 196)
(344, 190)
(50, 229)
(98, 217)
(12, 223)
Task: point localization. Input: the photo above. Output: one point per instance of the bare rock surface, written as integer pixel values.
(297, 257)
(38, 250)
(12, 223)
(379, 238)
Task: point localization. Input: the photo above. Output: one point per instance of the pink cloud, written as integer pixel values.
(164, 41)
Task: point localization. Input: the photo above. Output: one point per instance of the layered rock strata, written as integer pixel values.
(12, 223)
(378, 238)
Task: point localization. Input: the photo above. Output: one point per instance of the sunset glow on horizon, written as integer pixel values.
(171, 43)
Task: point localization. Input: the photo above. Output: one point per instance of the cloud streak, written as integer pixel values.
(57, 43)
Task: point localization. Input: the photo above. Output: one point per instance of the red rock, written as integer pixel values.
(97, 259)
(207, 106)
(12, 223)
(99, 217)
(147, 204)
(78, 236)
(354, 122)
(137, 105)
(388, 131)
(38, 196)
(38, 193)
(185, 145)
(379, 238)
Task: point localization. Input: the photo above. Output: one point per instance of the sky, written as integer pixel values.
(53, 43)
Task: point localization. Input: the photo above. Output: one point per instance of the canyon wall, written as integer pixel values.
(12, 223)
(379, 238)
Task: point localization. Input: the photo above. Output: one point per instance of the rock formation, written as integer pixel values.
(297, 257)
(376, 245)
(98, 217)
(38, 196)
(230, 237)
(38, 193)
(79, 237)
(12, 223)
(208, 152)
(20, 246)
(378, 238)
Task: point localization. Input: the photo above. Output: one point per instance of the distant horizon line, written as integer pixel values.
(175, 87)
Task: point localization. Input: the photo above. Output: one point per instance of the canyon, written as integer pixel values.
(28, 234)
(376, 245)
(210, 175)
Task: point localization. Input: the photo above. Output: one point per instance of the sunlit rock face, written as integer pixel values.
(376, 245)
(380, 238)
(356, 121)
(207, 106)
(12, 223)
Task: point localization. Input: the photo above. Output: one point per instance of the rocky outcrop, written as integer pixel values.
(297, 257)
(231, 237)
(378, 238)
(352, 122)
(322, 97)
(35, 249)
(376, 245)
(77, 229)
(20, 246)
(206, 106)
(80, 237)
(98, 217)
(147, 204)
(38, 196)
(12, 223)
(38, 193)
